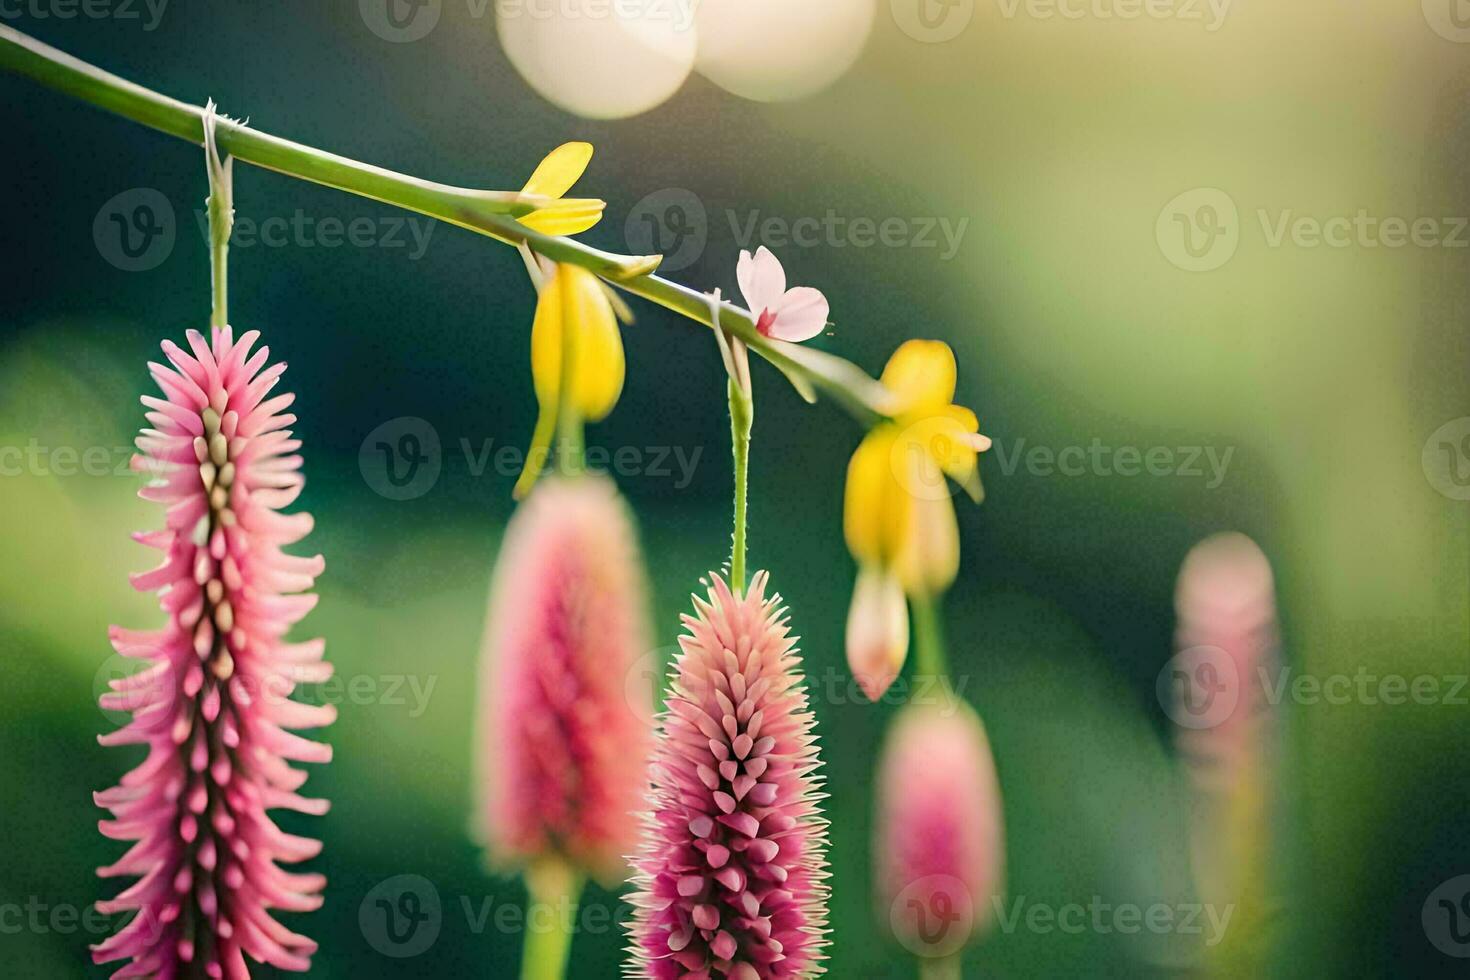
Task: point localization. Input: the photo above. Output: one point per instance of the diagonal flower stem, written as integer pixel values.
(490, 213)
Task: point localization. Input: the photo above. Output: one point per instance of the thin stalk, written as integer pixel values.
(547, 945)
(742, 419)
(929, 658)
(490, 213)
(947, 968)
(221, 206)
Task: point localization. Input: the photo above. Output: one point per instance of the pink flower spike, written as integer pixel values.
(213, 703)
(732, 871)
(793, 315)
(565, 724)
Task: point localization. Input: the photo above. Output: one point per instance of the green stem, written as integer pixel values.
(742, 420)
(929, 658)
(548, 937)
(221, 206)
(947, 968)
(490, 213)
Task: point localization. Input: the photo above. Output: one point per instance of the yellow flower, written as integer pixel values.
(898, 515)
(576, 359)
(555, 176)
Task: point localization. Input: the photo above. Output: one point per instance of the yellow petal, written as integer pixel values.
(869, 505)
(920, 378)
(560, 170)
(568, 217)
(928, 556)
(598, 357)
(546, 340)
(877, 630)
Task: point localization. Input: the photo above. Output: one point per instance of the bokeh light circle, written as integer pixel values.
(771, 50)
(596, 58)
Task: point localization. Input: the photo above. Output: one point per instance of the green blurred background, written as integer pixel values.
(1058, 145)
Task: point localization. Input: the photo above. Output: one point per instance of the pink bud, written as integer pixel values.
(877, 631)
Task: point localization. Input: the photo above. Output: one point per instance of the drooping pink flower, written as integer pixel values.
(213, 704)
(939, 843)
(732, 869)
(795, 314)
(1227, 652)
(565, 719)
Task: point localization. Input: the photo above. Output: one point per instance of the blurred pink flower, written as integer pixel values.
(939, 839)
(213, 703)
(795, 314)
(1228, 652)
(732, 869)
(565, 720)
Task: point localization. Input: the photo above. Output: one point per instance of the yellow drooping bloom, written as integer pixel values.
(555, 175)
(576, 359)
(898, 516)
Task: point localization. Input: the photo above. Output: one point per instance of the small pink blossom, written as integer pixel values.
(795, 314)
